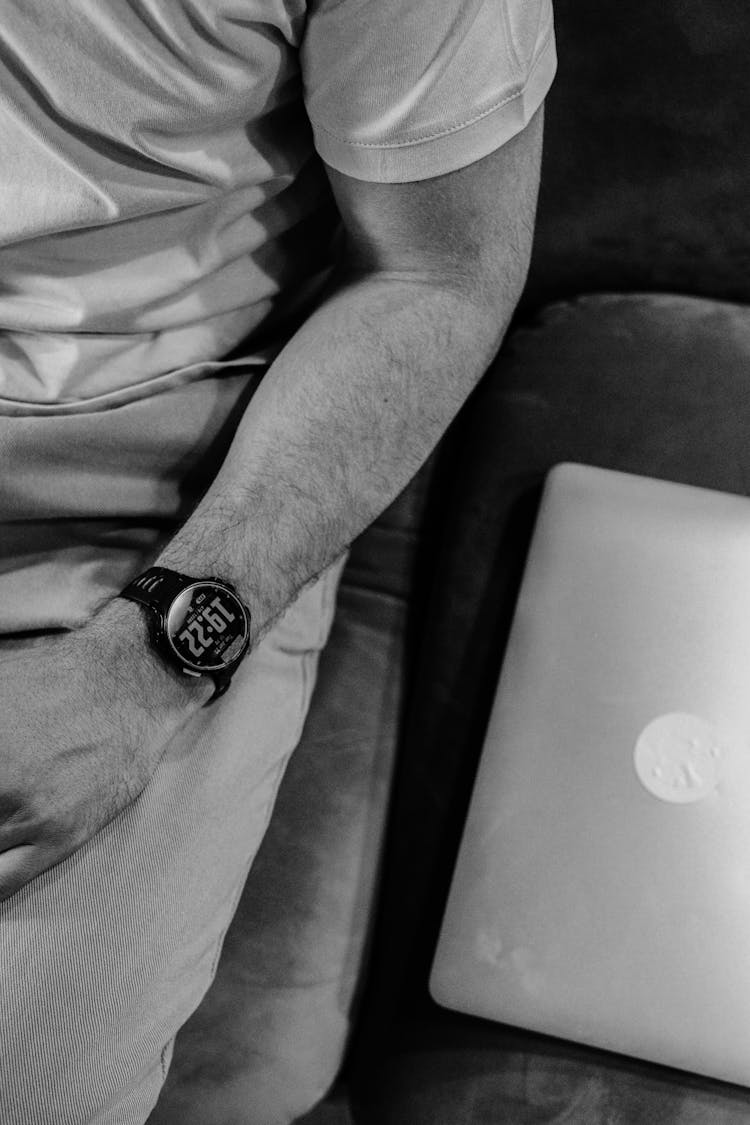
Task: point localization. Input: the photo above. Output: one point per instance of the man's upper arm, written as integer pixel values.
(428, 118)
(469, 229)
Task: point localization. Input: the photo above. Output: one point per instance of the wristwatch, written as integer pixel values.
(200, 626)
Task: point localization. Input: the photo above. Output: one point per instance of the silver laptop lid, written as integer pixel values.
(602, 888)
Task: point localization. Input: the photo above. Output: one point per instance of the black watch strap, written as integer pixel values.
(156, 586)
(155, 589)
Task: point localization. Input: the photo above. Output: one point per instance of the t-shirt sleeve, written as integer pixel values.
(400, 90)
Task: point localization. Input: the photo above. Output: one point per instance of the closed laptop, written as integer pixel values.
(602, 887)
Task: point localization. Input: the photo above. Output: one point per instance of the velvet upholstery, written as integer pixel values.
(652, 384)
(646, 151)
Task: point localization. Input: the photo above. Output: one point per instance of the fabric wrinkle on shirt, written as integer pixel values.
(163, 199)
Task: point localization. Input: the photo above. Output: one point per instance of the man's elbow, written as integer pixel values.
(489, 263)
(484, 296)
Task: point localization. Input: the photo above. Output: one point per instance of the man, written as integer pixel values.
(168, 236)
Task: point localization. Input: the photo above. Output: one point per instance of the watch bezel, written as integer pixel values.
(166, 631)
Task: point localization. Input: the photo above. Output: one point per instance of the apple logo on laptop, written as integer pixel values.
(678, 757)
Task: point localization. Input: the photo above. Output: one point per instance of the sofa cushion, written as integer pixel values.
(650, 384)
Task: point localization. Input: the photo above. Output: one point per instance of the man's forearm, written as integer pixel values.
(341, 422)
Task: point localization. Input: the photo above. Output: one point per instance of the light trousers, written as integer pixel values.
(105, 956)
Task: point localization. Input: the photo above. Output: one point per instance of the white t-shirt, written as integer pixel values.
(161, 196)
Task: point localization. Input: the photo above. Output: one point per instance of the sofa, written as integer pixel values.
(630, 349)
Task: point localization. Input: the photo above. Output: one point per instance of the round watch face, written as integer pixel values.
(207, 626)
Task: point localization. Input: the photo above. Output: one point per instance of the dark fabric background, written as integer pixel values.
(645, 176)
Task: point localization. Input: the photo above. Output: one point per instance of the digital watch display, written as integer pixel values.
(199, 625)
(206, 626)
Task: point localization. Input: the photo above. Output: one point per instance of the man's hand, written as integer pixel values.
(84, 720)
